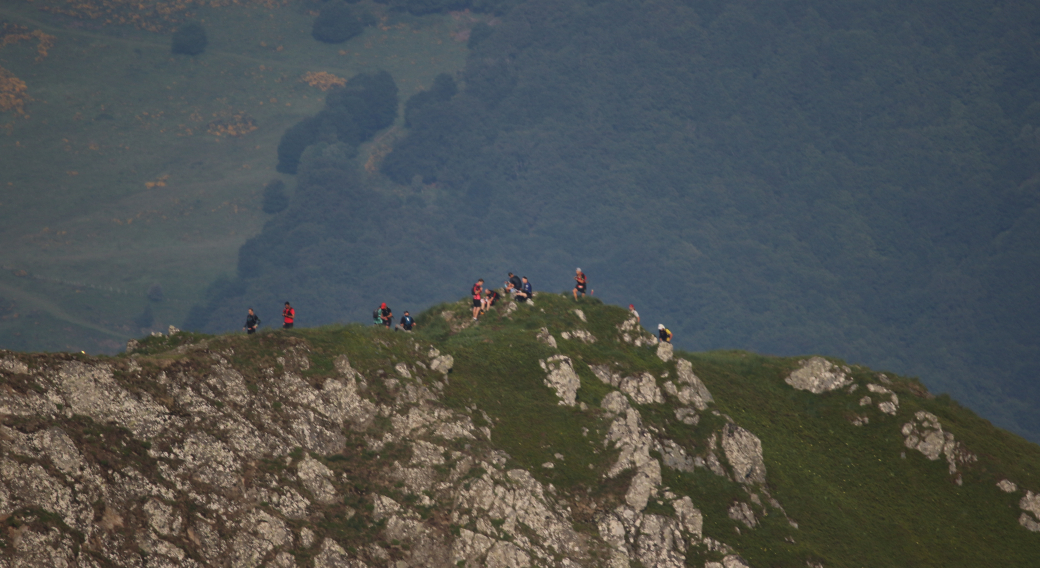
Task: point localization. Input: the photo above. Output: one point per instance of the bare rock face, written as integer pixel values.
(818, 375)
(925, 434)
(561, 378)
(1007, 486)
(694, 393)
(890, 406)
(744, 452)
(1030, 505)
(632, 333)
(642, 388)
(578, 335)
(741, 512)
(545, 337)
(665, 351)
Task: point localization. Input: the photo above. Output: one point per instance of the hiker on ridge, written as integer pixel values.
(386, 315)
(632, 310)
(490, 297)
(513, 284)
(580, 283)
(252, 321)
(407, 323)
(289, 314)
(525, 292)
(477, 292)
(663, 334)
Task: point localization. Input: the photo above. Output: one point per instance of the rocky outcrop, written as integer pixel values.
(818, 375)
(1030, 505)
(632, 333)
(561, 378)
(925, 434)
(744, 453)
(665, 351)
(578, 335)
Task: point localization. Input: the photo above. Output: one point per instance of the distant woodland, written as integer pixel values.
(857, 179)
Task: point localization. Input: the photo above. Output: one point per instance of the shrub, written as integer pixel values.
(275, 200)
(337, 22)
(189, 40)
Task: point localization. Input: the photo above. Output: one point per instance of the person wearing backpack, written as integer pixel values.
(477, 292)
(289, 315)
(663, 333)
(407, 323)
(252, 321)
(580, 283)
(386, 316)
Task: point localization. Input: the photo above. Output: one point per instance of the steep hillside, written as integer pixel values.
(552, 433)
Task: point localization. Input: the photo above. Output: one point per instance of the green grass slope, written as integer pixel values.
(858, 495)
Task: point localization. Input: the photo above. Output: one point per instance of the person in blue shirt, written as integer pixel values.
(407, 323)
(525, 292)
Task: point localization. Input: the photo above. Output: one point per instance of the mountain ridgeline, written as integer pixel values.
(859, 179)
(549, 433)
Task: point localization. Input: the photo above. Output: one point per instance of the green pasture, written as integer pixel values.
(119, 178)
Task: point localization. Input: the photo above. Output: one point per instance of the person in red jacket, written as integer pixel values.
(289, 314)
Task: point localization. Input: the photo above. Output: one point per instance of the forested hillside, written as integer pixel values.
(857, 179)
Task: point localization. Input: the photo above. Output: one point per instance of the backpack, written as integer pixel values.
(375, 316)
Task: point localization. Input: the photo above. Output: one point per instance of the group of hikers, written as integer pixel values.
(253, 320)
(483, 299)
(519, 286)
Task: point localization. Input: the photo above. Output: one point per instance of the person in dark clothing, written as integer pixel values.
(477, 292)
(663, 333)
(252, 321)
(513, 284)
(386, 315)
(525, 292)
(289, 315)
(490, 297)
(580, 283)
(407, 323)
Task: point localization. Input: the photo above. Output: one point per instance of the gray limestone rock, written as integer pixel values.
(925, 434)
(643, 389)
(741, 512)
(1030, 518)
(665, 351)
(818, 375)
(561, 378)
(1007, 486)
(545, 337)
(744, 452)
(693, 393)
(579, 335)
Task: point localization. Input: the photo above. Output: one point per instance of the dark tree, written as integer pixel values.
(337, 22)
(295, 140)
(275, 200)
(155, 293)
(189, 40)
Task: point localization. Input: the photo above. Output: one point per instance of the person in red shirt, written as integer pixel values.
(478, 290)
(289, 314)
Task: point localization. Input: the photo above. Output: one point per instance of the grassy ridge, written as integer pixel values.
(859, 497)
